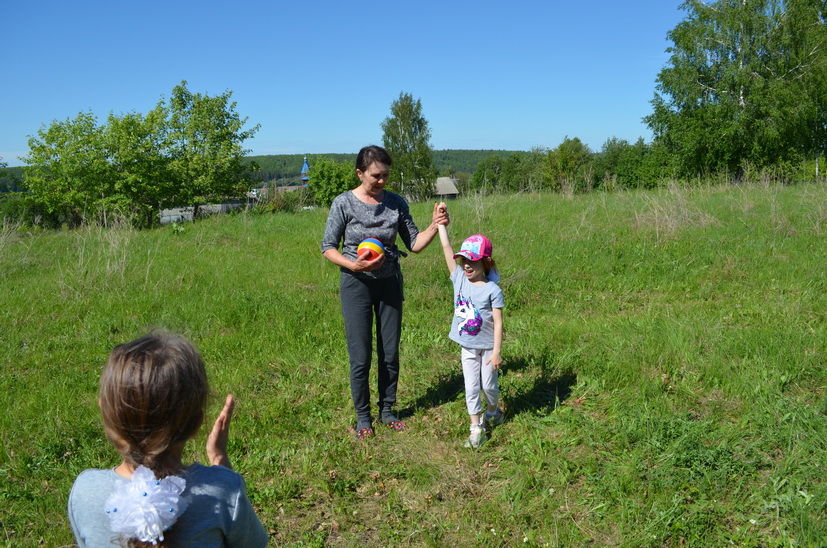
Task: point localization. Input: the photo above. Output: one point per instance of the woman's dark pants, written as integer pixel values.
(362, 302)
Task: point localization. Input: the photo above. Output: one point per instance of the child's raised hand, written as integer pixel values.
(220, 435)
(440, 216)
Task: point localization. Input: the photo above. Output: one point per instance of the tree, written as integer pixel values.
(628, 165)
(142, 182)
(177, 154)
(204, 139)
(746, 84)
(329, 178)
(407, 138)
(568, 165)
(487, 175)
(69, 173)
(516, 172)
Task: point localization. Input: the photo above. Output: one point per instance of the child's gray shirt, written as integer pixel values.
(473, 323)
(218, 513)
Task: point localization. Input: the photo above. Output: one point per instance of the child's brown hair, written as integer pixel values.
(488, 265)
(153, 396)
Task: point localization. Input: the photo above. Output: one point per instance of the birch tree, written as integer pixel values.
(745, 85)
(406, 137)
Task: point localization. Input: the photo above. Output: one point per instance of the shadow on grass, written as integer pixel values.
(550, 388)
(445, 389)
(544, 395)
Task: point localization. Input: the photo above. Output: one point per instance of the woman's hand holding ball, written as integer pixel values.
(370, 255)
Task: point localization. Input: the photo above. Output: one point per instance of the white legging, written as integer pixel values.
(479, 375)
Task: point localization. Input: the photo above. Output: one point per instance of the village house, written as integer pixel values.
(445, 188)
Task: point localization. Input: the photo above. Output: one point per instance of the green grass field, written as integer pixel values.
(664, 372)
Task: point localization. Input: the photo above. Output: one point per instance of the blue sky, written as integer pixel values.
(321, 76)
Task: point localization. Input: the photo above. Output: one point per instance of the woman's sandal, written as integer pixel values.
(364, 433)
(397, 425)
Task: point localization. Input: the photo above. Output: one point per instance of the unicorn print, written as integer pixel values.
(472, 321)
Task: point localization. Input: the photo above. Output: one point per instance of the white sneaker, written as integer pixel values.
(493, 419)
(477, 437)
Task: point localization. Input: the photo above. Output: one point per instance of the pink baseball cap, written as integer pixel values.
(475, 248)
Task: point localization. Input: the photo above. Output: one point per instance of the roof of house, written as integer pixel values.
(446, 185)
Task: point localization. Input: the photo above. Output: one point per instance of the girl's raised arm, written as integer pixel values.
(447, 250)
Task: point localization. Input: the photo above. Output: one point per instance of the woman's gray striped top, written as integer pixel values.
(351, 220)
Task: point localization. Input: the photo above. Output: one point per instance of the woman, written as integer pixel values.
(373, 288)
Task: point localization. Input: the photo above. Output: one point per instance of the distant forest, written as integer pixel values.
(285, 168)
(282, 169)
(11, 179)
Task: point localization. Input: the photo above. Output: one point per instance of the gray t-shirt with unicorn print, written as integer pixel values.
(473, 325)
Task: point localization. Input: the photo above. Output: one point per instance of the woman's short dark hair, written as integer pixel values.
(371, 154)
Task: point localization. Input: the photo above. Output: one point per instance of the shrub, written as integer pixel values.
(20, 208)
(283, 200)
(328, 179)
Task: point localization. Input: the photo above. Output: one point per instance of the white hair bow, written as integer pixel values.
(144, 507)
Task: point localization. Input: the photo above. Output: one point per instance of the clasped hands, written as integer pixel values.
(440, 215)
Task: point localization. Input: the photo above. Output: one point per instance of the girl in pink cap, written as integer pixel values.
(477, 327)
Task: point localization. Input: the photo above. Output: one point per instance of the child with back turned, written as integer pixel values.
(477, 327)
(153, 395)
